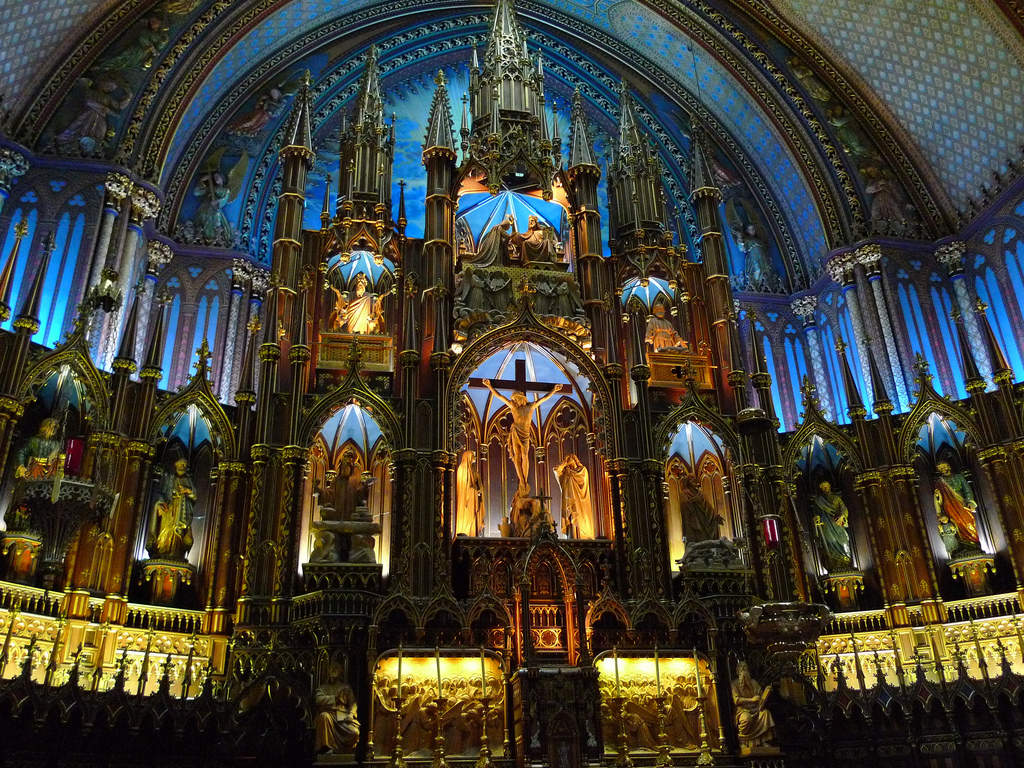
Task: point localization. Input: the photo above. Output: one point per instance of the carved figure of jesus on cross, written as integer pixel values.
(520, 438)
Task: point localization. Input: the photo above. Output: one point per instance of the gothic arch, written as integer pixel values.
(815, 425)
(354, 391)
(930, 402)
(199, 394)
(526, 326)
(694, 409)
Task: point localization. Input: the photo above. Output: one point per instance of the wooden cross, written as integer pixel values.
(518, 384)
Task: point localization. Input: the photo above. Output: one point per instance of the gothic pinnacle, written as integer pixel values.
(30, 307)
(439, 124)
(299, 133)
(581, 150)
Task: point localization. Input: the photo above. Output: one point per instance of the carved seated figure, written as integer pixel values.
(37, 457)
(358, 526)
(661, 335)
(337, 726)
(536, 244)
(360, 314)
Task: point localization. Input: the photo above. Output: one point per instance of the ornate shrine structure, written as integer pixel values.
(518, 488)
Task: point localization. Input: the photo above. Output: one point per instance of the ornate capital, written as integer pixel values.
(158, 255)
(951, 255)
(118, 186)
(12, 165)
(804, 306)
(241, 272)
(839, 265)
(869, 255)
(145, 204)
(260, 279)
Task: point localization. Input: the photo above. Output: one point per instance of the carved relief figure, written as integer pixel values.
(337, 727)
(171, 528)
(661, 335)
(520, 439)
(469, 498)
(954, 500)
(832, 527)
(577, 506)
(754, 723)
(361, 314)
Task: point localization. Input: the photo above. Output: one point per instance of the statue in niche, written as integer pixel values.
(337, 724)
(520, 438)
(170, 535)
(536, 244)
(361, 314)
(577, 506)
(954, 501)
(754, 724)
(661, 335)
(37, 459)
(700, 521)
(353, 518)
(832, 528)
(469, 498)
(493, 247)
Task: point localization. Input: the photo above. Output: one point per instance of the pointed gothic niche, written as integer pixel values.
(566, 476)
(350, 463)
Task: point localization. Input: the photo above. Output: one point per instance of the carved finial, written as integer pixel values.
(841, 346)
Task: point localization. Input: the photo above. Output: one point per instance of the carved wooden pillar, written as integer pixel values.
(1004, 464)
(231, 487)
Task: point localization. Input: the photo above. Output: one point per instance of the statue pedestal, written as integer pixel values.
(844, 588)
(785, 630)
(974, 571)
(165, 577)
(21, 551)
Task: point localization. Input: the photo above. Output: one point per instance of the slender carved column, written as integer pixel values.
(951, 256)
(158, 256)
(870, 256)
(803, 308)
(231, 484)
(116, 188)
(840, 267)
(239, 276)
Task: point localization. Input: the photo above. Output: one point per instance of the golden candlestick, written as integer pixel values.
(622, 759)
(664, 759)
(398, 755)
(706, 758)
(440, 759)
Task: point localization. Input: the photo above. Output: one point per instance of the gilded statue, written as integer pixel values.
(956, 509)
(661, 335)
(577, 505)
(171, 528)
(361, 313)
(536, 244)
(469, 498)
(520, 438)
(337, 726)
(832, 527)
(754, 724)
(38, 456)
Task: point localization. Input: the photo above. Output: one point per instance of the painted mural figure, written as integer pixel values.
(214, 194)
(171, 533)
(87, 133)
(267, 107)
(758, 272)
(832, 527)
(361, 314)
(754, 723)
(537, 243)
(520, 438)
(143, 50)
(469, 498)
(337, 727)
(661, 335)
(37, 457)
(954, 500)
(577, 505)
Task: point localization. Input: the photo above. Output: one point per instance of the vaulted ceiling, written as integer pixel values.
(832, 114)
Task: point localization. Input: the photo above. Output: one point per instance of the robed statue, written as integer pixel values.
(954, 501)
(170, 535)
(832, 528)
(469, 498)
(359, 314)
(754, 724)
(493, 248)
(537, 243)
(701, 522)
(520, 437)
(337, 726)
(577, 506)
(38, 456)
(661, 335)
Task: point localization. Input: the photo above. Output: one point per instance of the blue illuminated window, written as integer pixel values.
(943, 308)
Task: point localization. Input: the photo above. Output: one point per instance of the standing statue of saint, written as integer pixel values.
(337, 727)
(171, 529)
(469, 498)
(954, 500)
(577, 507)
(37, 457)
(520, 439)
(701, 522)
(832, 527)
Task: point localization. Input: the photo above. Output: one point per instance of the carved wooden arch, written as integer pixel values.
(352, 390)
(74, 353)
(930, 402)
(397, 602)
(649, 607)
(562, 559)
(815, 425)
(692, 606)
(607, 603)
(198, 393)
(526, 326)
(694, 409)
(444, 603)
(488, 602)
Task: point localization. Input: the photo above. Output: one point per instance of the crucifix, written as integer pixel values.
(522, 409)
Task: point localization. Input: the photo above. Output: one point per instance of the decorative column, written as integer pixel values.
(870, 256)
(239, 277)
(951, 256)
(116, 188)
(803, 307)
(840, 267)
(259, 282)
(158, 254)
(12, 165)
